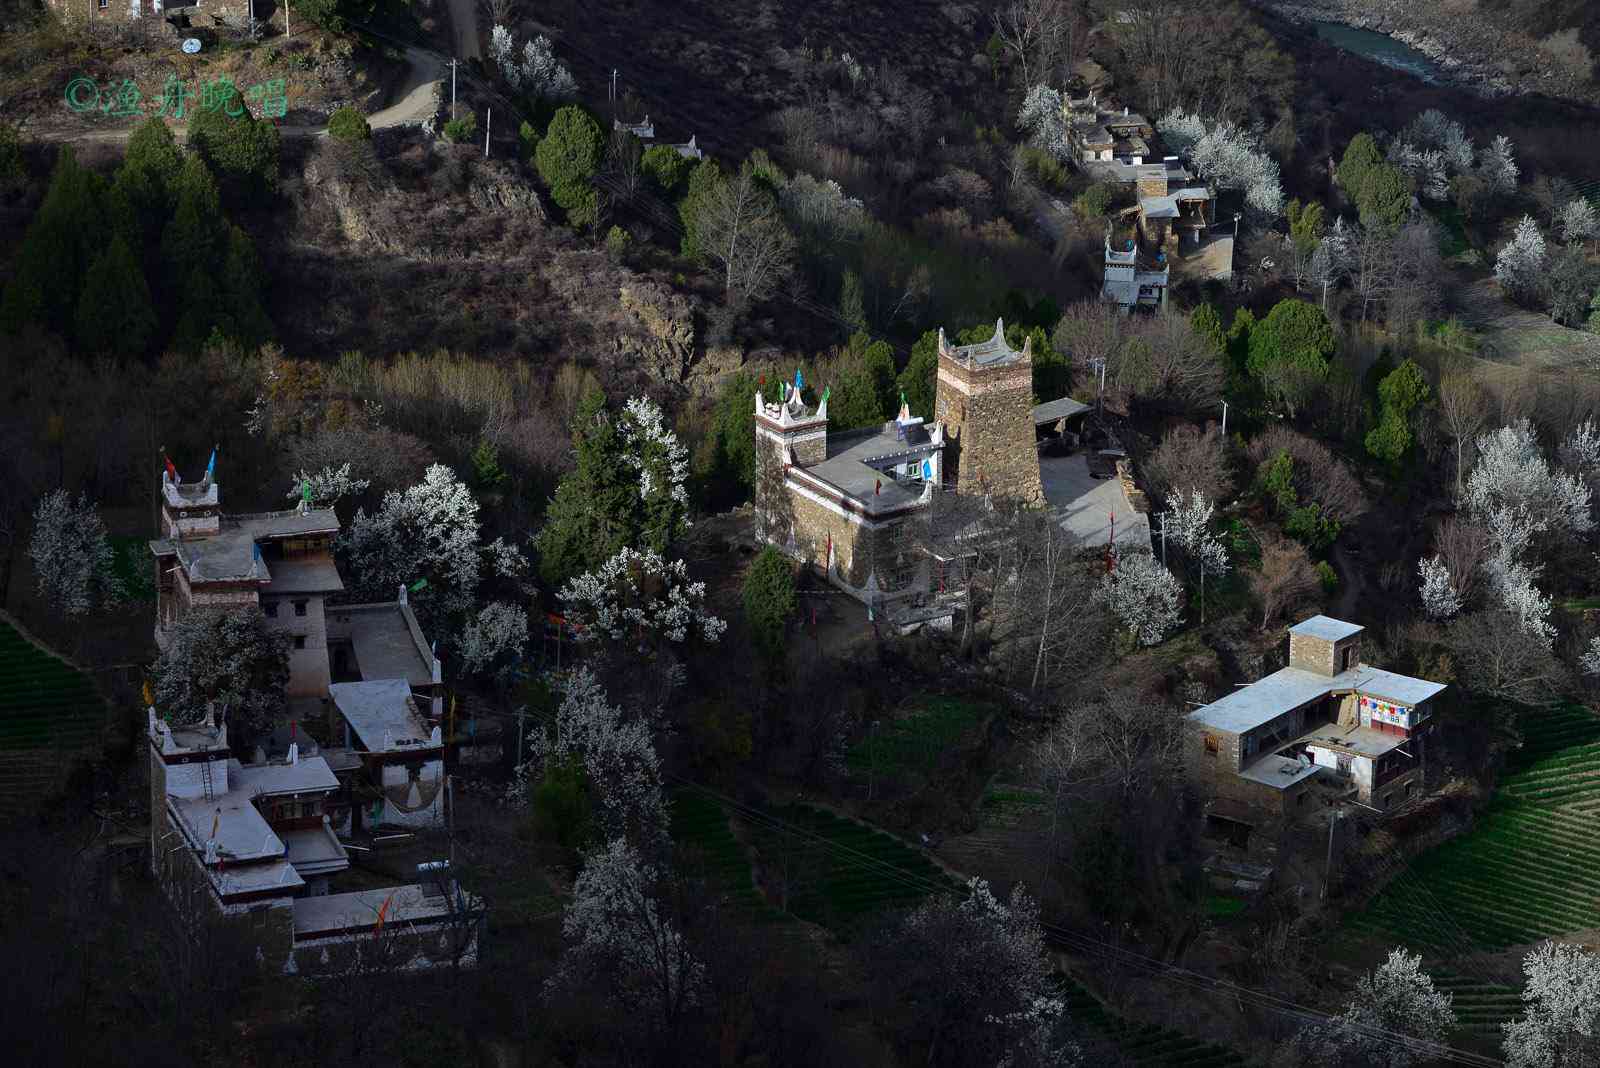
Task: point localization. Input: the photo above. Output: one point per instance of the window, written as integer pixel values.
(270, 608)
(300, 608)
(299, 641)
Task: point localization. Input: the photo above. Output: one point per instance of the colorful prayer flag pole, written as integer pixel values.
(211, 465)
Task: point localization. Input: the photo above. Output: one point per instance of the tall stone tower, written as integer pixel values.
(984, 398)
(787, 433)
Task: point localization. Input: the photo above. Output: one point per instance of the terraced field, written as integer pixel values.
(1531, 868)
(1481, 1006)
(44, 702)
(700, 824)
(48, 711)
(835, 871)
(1143, 1044)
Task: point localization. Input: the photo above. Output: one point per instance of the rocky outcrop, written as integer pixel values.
(353, 190)
(501, 194)
(661, 341)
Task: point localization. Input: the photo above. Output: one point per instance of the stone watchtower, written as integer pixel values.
(984, 398)
(787, 434)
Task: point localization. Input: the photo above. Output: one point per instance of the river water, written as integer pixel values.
(1379, 48)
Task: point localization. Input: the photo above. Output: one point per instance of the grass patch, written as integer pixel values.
(44, 702)
(1220, 907)
(918, 739)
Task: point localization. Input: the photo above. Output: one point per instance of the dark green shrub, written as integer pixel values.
(348, 124)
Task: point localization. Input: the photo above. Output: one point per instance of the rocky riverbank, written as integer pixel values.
(1472, 52)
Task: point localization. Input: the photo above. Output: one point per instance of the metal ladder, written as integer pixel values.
(205, 780)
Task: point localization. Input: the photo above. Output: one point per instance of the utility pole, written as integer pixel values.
(1224, 422)
(452, 88)
(1328, 871)
(1163, 518)
(1236, 217)
(488, 121)
(286, 30)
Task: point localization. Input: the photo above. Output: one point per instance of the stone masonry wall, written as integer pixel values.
(308, 668)
(988, 417)
(856, 549)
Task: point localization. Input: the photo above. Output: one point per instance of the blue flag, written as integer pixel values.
(211, 465)
(799, 383)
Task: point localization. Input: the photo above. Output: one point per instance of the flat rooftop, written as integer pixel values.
(1084, 505)
(311, 574)
(382, 715)
(1050, 411)
(856, 462)
(242, 832)
(309, 775)
(1355, 740)
(229, 554)
(316, 852)
(1279, 771)
(1326, 627)
(334, 914)
(387, 640)
(1288, 688)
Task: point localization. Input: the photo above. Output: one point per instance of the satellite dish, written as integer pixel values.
(191, 45)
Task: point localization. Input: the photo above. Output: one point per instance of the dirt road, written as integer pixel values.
(414, 102)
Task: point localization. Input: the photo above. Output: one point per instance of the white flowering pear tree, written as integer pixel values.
(638, 595)
(1227, 157)
(1517, 494)
(231, 662)
(1561, 1028)
(976, 977)
(1520, 266)
(1579, 222)
(619, 931)
(1589, 662)
(618, 757)
(1046, 124)
(540, 74)
(72, 557)
(1143, 595)
(1397, 998)
(427, 531)
(492, 643)
(327, 487)
(1188, 524)
(662, 465)
(1497, 166)
(1440, 600)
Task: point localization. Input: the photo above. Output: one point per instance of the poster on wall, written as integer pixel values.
(1383, 712)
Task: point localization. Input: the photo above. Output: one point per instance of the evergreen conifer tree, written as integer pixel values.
(114, 311)
(242, 317)
(193, 238)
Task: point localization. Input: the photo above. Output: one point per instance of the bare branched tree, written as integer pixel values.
(1498, 657)
(1463, 547)
(1285, 579)
(1463, 410)
(1191, 459)
(744, 232)
(624, 155)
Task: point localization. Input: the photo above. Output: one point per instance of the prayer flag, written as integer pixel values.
(149, 697)
(172, 472)
(305, 491)
(878, 487)
(383, 912)
(211, 464)
(216, 821)
(420, 584)
(799, 382)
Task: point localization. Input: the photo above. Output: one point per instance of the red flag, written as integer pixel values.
(383, 912)
(878, 488)
(172, 472)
